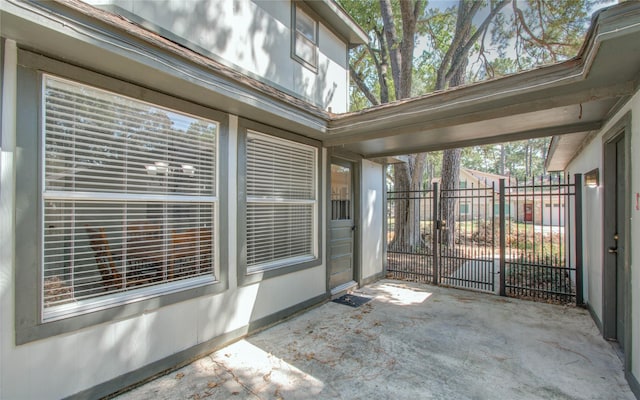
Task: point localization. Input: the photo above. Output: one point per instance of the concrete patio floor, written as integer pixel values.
(411, 341)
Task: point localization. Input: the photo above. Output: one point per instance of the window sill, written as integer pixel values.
(119, 299)
(268, 271)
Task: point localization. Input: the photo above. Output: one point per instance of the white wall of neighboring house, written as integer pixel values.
(253, 36)
(589, 158)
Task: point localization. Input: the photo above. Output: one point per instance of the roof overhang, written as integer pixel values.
(339, 20)
(574, 97)
(563, 149)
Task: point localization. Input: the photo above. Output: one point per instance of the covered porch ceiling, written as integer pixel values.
(575, 97)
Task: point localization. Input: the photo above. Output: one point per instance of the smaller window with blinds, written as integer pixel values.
(281, 204)
(129, 199)
(305, 39)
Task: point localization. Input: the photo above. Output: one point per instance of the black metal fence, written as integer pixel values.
(538, 250)
(519, 239)
(411, 234)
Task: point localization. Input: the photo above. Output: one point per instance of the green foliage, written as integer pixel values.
(534, 33)
(523, 35)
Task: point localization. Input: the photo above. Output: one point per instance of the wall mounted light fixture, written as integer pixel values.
(592, 178)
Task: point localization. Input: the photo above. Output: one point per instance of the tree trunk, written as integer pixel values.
(451, 158)
(393, 44)
(410, 176)
(449, 183)
(407, 217)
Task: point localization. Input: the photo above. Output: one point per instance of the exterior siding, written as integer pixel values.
(250, 36)
(89, 357)
(592, 220)
(589, 158)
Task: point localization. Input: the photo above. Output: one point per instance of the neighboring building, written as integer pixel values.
(170, 185)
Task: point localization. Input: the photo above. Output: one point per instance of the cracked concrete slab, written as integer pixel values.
(411, 341)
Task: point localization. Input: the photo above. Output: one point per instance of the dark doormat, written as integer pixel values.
(351, 300)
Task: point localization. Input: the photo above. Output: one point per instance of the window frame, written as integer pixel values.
(30, 276)
(296, 7)
(245, 275)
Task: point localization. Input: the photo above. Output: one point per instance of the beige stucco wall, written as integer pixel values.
(589, 158)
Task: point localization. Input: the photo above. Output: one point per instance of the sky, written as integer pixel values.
(444, 4)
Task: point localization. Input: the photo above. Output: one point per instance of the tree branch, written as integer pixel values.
(409, 18)
(463, 54)
(381, 67)
(539, 41)
(357, 79)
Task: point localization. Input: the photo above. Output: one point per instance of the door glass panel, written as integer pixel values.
(340, 192)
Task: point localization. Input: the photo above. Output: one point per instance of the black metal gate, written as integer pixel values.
(519, 239)
(467, 255)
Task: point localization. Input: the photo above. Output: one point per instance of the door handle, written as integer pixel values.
(613, 250)
(353, 228)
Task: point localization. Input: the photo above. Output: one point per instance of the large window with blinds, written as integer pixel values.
(129, 199)
(281, 202)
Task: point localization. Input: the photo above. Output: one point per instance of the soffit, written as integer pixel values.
(563, 148)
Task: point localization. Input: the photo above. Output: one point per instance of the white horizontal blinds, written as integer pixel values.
(103, 142)
(281, 201)
(129, 202)
(279, 169)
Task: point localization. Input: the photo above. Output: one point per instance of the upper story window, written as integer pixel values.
(129, 200)
(305, 39)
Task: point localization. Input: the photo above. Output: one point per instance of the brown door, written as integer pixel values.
(528, 212)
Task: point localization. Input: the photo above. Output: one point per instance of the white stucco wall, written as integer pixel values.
(588, 159)
(254, 36)
(65, 364)
(591, 158)
(372, 232)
